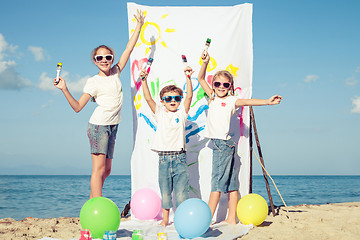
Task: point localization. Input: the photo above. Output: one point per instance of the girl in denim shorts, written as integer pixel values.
(106, 90)
(222, 105)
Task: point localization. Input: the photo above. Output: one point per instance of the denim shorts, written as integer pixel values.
(102, 139)
(173, 175)
(224, 177)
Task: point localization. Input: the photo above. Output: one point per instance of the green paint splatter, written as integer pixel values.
(192, 163)
(152, 86)
(194, 191)
(200, 95)
(154, 89)
(170, 81)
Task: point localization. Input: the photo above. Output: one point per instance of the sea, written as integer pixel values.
(54, 196)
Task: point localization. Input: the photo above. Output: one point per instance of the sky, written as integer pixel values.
(306, 51)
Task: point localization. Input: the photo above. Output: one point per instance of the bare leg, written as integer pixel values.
(213, 202)
(233, 200)
(165, 220)
(97, 175)
(107, 169)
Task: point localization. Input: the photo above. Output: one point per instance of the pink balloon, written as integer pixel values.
(145, 204)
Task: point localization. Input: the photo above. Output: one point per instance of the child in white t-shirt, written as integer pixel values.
(222, 105)
(169, 141)
(104, 88)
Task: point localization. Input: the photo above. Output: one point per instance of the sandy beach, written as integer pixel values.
(333, 221)
(330, 221)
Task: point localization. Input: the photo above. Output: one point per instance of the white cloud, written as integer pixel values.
(356, 104)
(47, 83)
(5, 47)
(5, 65)
(9, 78)
(12, 48)
(38, 52)
(311, 78)
(78, 86)
(351, 81)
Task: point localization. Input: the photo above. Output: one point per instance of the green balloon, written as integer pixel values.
(100, 214)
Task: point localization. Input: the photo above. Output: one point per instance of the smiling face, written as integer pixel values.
(219, 88)
(104, 65)
(173, 105)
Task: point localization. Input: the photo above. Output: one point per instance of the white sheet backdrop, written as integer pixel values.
(168, 33)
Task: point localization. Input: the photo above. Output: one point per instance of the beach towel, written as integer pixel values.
(150, 229)
(168, 33)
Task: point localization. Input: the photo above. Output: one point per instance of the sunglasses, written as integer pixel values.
(168, 99)
(99, 58)
(225, 84)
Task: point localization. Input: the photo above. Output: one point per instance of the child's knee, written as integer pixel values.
(181, 196)
(107, 172)
(99, 170)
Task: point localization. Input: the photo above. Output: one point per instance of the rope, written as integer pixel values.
(286, 207)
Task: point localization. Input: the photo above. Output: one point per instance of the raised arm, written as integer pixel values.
(202, 74)
(189, 90)
(77, 105)
(147, 94)
(276, 99)
(131, 44)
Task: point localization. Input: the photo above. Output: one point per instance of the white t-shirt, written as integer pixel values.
(170, 132)
(219, 116)
(108, 94)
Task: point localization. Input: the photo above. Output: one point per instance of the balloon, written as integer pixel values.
(192, 218)
(145, 204)
(100, 214)
(252, 209)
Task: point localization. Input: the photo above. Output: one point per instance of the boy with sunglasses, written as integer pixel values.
(169, 141)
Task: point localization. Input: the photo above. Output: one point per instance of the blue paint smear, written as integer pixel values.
(193, 133)
(196, 82)
(188, 127)
(148, 121)
(200, 110)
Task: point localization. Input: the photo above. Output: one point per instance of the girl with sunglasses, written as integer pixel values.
(106, 89)
(169, 141)
(222, 105)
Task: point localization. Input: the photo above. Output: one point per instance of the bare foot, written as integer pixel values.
(164, 222)
(229, 221)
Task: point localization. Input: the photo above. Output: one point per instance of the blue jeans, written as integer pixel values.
(173, 175)
(102, 139)
(224, 178)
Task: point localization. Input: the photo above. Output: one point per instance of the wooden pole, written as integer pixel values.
(251, 163)
(252, 118)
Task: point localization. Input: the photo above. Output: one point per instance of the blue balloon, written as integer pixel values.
(192, 218)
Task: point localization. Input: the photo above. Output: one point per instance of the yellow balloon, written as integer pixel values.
(252, 209)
